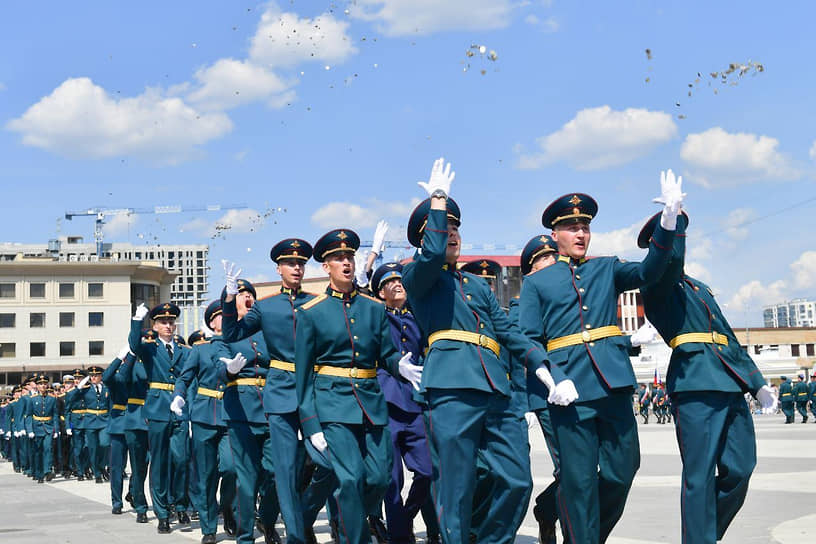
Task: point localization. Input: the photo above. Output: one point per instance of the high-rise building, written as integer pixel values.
(798, 312)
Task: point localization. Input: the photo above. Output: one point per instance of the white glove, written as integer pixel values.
(766, 398)
(69, 432)
(318, 440)
(644, 335)
(84, 382)
(235, 364)
(671, 196)
(409, 371)
(546, 378)
(379, 237)
(141, 312)
(56, 435)
(532, 419)
(231, 276)
(564, 393)
(123, 352)
(31, 435)
(441, 177)
(8, 434)
(177, 404)
(360, 261)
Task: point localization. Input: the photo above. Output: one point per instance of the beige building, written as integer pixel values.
(56, 315)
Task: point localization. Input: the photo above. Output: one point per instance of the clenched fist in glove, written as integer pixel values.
(410, 371)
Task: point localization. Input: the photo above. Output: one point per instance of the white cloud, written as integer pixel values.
(699, 249)
(601, 137)
(720, 159)
(284, 40)
(550, 24)
(80, 120)
(229, 83)
(754, 295)
(813, 151)
(735, 221)
(117, 225)
(259, 278)
(356, 216)
(404, 17)
(617, 242)
(804, 270)
(233, 222)
(698, 271)
(314, 270)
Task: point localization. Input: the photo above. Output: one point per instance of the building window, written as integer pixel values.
(36, 320)
(94, 290)
(8, 349)
(7, 290)
(794, 350)
(96, 319)
(66, 290)
(7, 321)
(96, 347)
(36, 349)
(66, 319)
(67, 349)
(36, 290)
(809, 350)
(757, 349)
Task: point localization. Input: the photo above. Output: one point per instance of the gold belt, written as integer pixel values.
(162, 386)
(80, 412)
(257, 382)
(210, 393)
(42, 418)
(584, 337)
(704, 337)
(138, 402)
(96, 412)
(119, 407)
(342, 372)
(466, 336)
(282, 365)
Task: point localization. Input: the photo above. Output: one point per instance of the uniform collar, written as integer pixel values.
(339, 294)
(289, 291)
(570, 260)
(397, 311)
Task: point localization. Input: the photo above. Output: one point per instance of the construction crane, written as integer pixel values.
(102, 213)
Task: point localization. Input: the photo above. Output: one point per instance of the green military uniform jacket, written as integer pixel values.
(800, 392)
(786, 392)
(342, 330)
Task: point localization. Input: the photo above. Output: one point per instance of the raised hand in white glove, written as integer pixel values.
(141, 312)
(235, 364)
(84, 382)
(360, 273)
(766, 398)
(318, 440)
(564, 393)
(644, 335)
(177, 404)
(379, 237)
(441, 178)
(69, 431)
(546, 378)
(671, 196)
(532, 419)
(31, 435)
(123, 352)
(231, 274)
(410, 371)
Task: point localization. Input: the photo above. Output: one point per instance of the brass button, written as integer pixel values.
(585, 336)
(577, 276)
(356, 385)
(481, 325)
(352, 320)
(402, 352)
(588, 326)
(348, 305)
(356, 353)
(353, 372)
(591, 344)
(403, 340)
(465, 280)
(585, 308)
(469, 297)
(581, 290)
(404, 327)
(355, 337)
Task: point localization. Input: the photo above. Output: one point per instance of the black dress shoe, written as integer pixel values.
(80, 478)
(141, 517)
(99, 480)
(183, 518)
(546, 533)
(116, 510)
(49, 476)
(194, 515)
(270, 534)
(310, 536)
(164, 527)
(39, 480)
(230, 526)
(378, 530)
(129, 499)
(208, 539)
(433, 539)
(335, 530)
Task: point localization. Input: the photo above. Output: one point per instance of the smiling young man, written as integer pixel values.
(571, 307)
(342, 337)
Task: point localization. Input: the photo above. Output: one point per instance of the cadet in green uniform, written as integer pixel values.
(800, 394)
(644, 401)
(75, 404)
(275, 317)
(118, 391)
(572, 306)
(43, 411)
(464, 379)
(210, 444)
(160, 362)
(786, 399)
(659, 403)
(708, 375)
(812, 393)
(342, 337)
(135, 427)
(96, 397)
